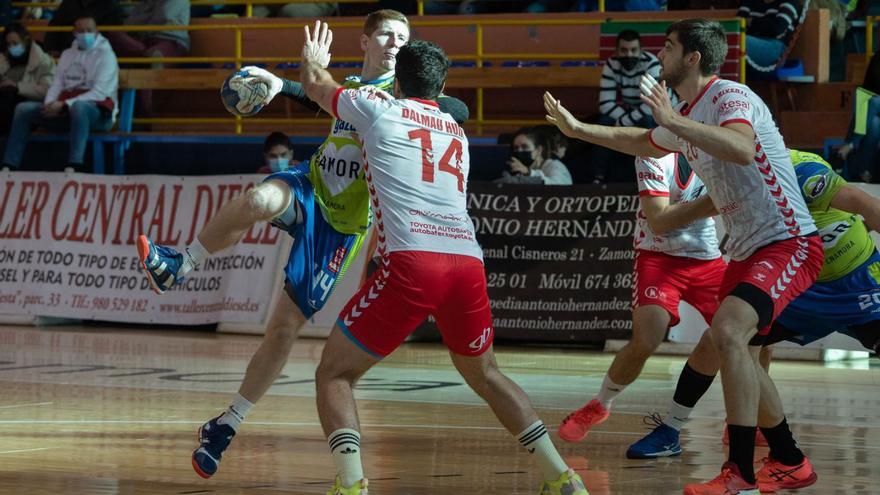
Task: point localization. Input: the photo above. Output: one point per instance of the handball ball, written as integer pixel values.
(243, 94)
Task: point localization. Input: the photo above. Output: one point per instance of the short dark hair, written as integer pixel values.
(628, 35)
(704, 36)
(374, 19)
(17, 28)
(84, 15)
(537, 136)
(421, 69)
(275, 139)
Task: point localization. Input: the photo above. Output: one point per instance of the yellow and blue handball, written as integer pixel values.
(243, 94)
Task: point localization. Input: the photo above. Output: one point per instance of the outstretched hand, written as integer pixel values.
(661, 106)
(559, 116)
(262, 75)
(316, 47)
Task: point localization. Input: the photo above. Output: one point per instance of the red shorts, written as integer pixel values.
(664, 280)
(409, 286)
(782, 270)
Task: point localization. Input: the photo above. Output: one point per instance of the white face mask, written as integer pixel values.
(16, 50)
(279, 164)
(86, 41)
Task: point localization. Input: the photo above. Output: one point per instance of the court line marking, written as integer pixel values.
(12, 406)
(26, 450)
(366, 425)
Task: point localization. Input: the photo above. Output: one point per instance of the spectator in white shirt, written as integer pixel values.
(82, 97)
(531, 161)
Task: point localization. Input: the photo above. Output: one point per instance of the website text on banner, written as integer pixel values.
(558, 259)
(67, 249)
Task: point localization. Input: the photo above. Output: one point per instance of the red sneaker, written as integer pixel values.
(760, 441)
(729, 482)
(576, 425)
(777, 476)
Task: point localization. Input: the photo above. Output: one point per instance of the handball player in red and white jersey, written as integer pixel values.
(728, 135)
(677, 259)
(416, 164)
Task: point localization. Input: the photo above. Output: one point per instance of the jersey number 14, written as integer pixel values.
(454, 151)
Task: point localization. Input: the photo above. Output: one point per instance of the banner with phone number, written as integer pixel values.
(67, 249)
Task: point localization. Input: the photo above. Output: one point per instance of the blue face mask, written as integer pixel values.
(279, 164)
(86, 41)
(16, 50)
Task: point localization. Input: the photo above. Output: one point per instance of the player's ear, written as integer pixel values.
(694, 58)
(365, 40)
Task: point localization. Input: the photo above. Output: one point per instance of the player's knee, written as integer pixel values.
(331, 370)
(281, 337)
(727, 336)
(267, 200)
(642, 347)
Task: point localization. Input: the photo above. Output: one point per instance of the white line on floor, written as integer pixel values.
(11, 406)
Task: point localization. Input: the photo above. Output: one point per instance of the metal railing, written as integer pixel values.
(249, 4)
(869, 35)
(479, 57)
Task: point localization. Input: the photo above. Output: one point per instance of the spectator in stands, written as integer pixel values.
(319, 9)
(104, 12)
(277, 154)
(619, 101)
(531, 161)
(154, 43)
(82, 97)
(620, 105)
(770, 25)
(861, 151)
(25, 72)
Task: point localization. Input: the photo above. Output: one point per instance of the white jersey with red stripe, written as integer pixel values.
(672, 177)
(416, 167)
(759, 203)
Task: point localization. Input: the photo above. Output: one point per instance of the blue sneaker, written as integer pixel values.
(661, 442)
(214, 438)
(160, 263)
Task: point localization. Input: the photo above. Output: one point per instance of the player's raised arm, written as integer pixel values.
(630, 140)
(731, 141)
(317, 82)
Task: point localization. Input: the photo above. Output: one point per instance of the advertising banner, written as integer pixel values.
(67, 249)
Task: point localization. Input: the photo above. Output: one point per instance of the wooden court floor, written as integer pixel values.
(115, 411)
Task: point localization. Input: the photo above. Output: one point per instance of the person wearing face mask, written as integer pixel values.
(26, 72)
(619, 103)
(277, 154)
(81, 99)
(531, 161)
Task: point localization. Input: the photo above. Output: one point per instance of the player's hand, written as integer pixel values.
(559, 116)
(262, 75)
(316, 47)
(517, 167)
(661, 106)
(373, 90)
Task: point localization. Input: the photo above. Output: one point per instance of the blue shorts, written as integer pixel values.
(836, 306)
(320, 254)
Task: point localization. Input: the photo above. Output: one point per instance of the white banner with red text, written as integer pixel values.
(67, 249)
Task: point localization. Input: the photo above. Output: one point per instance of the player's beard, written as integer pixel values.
(673, 75)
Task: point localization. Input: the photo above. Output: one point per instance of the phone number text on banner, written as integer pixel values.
(67, 249)
(559, 260)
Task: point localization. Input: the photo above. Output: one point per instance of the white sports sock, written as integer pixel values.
(236, 412)
(608, 392)
(345, 447)
(678, 415)
(193, 256)
(536, 440)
